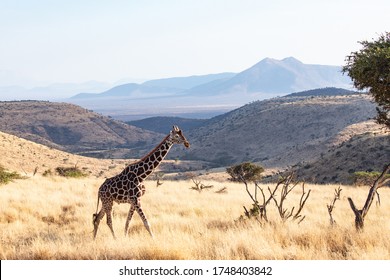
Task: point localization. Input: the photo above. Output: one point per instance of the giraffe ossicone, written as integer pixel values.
(127, 186)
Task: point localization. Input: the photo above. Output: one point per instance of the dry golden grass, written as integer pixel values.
(51, 218)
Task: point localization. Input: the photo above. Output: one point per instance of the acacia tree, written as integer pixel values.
(245, 172)
(369, 69)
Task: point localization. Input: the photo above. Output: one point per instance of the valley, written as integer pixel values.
(303, 131)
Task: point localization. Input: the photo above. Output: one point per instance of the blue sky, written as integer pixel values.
(46, 41)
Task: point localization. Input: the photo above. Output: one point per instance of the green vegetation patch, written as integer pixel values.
(366, 178)
(6, 177)
(70, 172)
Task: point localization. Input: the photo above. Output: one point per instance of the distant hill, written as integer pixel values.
(328, 91)
(74, 129)
(164, 124)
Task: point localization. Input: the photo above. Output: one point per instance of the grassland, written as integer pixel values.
(51, 218)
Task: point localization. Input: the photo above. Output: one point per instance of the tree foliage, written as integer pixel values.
(245, 172)
(369, 69)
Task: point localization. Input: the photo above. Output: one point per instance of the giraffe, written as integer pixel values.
(127, 186)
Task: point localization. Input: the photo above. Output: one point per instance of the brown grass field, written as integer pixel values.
(51, 218)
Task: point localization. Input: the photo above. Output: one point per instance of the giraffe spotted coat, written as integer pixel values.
(127, 187)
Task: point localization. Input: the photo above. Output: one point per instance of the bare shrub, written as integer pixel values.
(199, 186)
(331, 206)
(288, 183)
(285, 185)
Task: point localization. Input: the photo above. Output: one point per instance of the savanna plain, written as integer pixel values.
(51, 218)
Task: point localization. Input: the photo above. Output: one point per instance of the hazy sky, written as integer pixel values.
(45, 41)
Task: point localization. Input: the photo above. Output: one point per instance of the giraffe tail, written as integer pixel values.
(94, 216)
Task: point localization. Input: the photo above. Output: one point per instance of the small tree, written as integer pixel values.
(369, 69)
(245, 172)
(361, 214)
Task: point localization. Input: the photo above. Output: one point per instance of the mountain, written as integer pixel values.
(279, 132)
(188, 82)
(74, 129)
(131, 90)
(158, 87)
(274, 76)
(212, 94)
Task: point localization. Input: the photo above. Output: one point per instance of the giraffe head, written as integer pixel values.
(177, 137)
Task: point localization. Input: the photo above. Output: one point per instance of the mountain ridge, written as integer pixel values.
(266, 79)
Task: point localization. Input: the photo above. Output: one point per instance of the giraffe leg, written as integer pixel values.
(96, 221)
(109, 219)
(143, 217)
(129, 216)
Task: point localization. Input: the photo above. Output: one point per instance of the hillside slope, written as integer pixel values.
(74, 129)
(279, 132)
(368, 151)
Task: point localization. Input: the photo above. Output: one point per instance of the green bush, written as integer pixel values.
(245, 172)
(6, 177)
(70, 172)
(366, 178)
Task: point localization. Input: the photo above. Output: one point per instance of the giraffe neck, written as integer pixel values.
(145, 166)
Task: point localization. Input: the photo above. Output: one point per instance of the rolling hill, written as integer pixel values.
(74, 129)
(283, 132)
